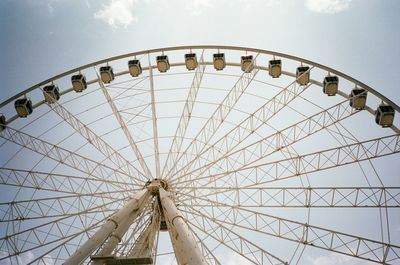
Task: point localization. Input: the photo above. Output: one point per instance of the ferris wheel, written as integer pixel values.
(200, 155)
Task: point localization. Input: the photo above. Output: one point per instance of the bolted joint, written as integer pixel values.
(153, 186)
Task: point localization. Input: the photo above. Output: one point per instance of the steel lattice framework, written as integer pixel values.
(200, 155)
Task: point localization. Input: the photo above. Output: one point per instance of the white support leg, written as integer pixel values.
(186, 250)
(117, 235)
(104, 232)
(145, 243)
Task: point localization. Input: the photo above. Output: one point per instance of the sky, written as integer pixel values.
(44, 37)
(41, 38)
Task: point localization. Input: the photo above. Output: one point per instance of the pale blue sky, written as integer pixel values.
(41, 38)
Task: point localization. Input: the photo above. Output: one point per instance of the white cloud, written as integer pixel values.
(251, 4)
(118, 13)
(233, 259)
(328, 6)
(25, 258)
(331, 259)
(51, 9)
(238, 260)
(50, 6)
(47, 260)
(197, 7)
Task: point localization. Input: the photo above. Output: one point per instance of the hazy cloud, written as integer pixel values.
(51, 9)
(197, 7)
(47, 260)
(332, 259)
(328, 6)
(118, 13)
(238, 260)
(25, 258)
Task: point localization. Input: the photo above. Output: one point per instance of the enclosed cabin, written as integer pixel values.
(78, 82)
(162, 63)
(135, 69)
(219, 61)
(358, 98)
(191, 61)
(275, 68)
(51, 93)
(23, 106)
(384, 115)
(106, 74)
(3, 122)
(247, 63)
(330, 85)
(303, 75)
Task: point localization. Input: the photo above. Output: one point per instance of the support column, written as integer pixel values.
(111, 225)
(145, 244)
(117, 235)
(186, 250)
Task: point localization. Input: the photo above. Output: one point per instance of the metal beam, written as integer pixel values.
(145, 244)
(64, 156)
(55, 182)
(214, 122)
(272, 143)
(212, 47)
(187, 251)
(218, 231)
(315, 197)
(111, 225)
(116, 236)
(125, 129)
(246, 127)
(185, 116)
(347, 244)
(308, 163)
(102, 146)
(154, 119)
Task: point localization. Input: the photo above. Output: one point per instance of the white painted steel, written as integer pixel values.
(112, 242)
(112, 223)
(186, 246)
(227, 176)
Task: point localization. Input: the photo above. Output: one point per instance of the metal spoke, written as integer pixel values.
(207, 253)
(154, 119)
(107, 150)
(215, 121)
(125, 129)
(314, 197)
(47, 243)
(117, 221)
(355, 246)
(63, 156)
(278, 141)
(313, 162)
(127, 243)
(230, 239)
(249, 125)
(185, 116)
(51, 207)
(55, 182)
(39, 235)
(275, 160)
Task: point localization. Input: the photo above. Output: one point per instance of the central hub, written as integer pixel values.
(154, 185)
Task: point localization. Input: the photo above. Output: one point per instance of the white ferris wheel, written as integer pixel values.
(199, 155)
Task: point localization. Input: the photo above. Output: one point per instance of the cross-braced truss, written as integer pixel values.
(199, 155)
